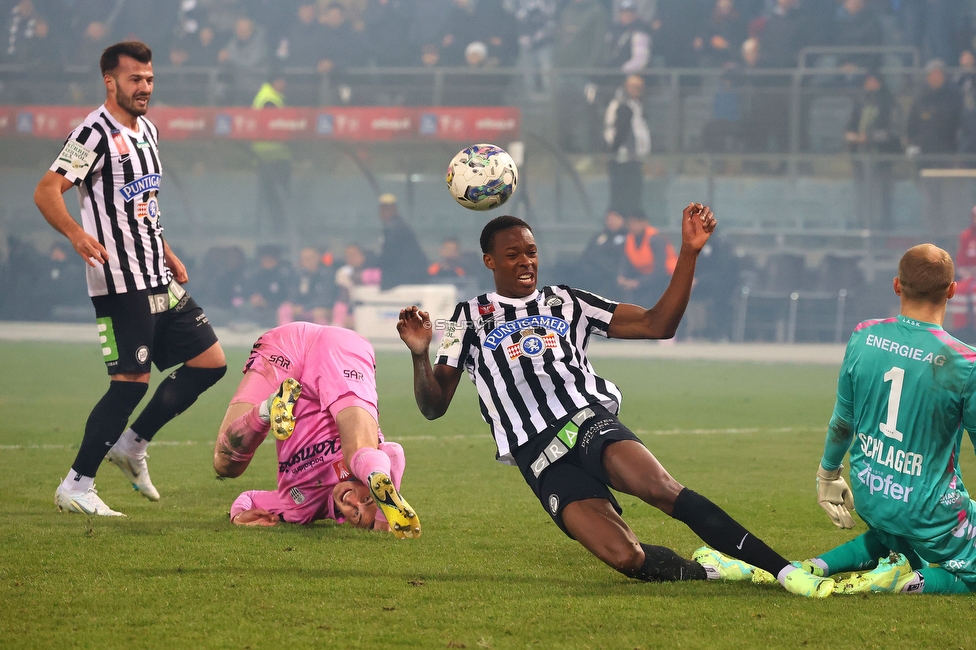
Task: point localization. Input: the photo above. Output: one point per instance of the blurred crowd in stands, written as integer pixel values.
(245, 38)
(628, 260)
(735, 61)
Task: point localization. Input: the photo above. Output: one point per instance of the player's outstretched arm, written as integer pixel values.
(255, 517)
(49, 199)
(432, 388)
(661, 321)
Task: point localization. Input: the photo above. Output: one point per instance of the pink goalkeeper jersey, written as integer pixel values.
(336, 368)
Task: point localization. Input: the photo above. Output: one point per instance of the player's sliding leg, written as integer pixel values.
(105, 423)
(176, 393)
(373, 467)
(596, 525)
(633, 469)
(860, 553)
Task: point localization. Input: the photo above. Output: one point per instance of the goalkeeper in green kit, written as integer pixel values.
(906, 391)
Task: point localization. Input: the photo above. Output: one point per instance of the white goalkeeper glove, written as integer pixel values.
(834, 496)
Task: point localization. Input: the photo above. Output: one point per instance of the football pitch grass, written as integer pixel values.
(491, 570)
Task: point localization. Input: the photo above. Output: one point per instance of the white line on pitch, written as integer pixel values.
(640, 432)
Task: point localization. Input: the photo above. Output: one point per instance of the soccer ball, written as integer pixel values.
(482, 176)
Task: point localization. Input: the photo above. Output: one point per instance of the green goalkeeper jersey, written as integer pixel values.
(906, 392)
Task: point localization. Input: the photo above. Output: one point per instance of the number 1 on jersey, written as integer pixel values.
(897, 378)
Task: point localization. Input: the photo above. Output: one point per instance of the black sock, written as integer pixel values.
(174, 395)
(723, 533)
(661, 564)
(106, 423)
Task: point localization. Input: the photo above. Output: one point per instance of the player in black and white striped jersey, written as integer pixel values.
(554, 417)
(144, 315)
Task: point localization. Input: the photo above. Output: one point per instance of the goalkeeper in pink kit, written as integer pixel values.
(314, 388)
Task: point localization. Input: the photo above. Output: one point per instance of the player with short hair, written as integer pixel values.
(314, 388)
(144, 315)
(906, 391)
(554, 417)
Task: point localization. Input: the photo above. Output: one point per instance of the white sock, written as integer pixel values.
(264, 409)
(75, 482)
(820, 563)
(711, 573)
(131, 444)
(785, 571)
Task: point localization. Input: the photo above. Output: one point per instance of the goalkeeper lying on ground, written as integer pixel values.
(906, 392)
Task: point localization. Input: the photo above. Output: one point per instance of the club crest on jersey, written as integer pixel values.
(505, 330)
(531, 345)
(148, 210)
(140, 186)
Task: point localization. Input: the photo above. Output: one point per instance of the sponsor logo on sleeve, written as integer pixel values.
(76, 155)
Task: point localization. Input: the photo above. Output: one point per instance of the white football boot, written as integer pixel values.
(85, 503)
(136, 470)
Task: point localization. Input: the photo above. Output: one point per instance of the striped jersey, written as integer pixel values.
(118, 175)
(906, 391)
(527, 358)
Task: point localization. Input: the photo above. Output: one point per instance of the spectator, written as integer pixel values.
(648, 262)
(966, 82)
(934, 119)
(600, 261)
(718, 287)
(674, 28)
(266, 287)
(60, 282)
(536, 24)
(341, 48)
(765, 125)
(313, 292)
(629, 139)
(783, 35)
(465, 271)
(857, 25)
(629, 40)
(246, 57)
(149, 21)
(401, 260)
(722, 36)
(31, 44)
(359, 270)
(385, 36)
(273, 161)
(301, 46)
(580, 43)
(220, 280)
(869, 131)
(195, 43)
(27, 33)
(499, 32)
(460, 28)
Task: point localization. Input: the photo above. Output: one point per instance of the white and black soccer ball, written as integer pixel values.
(482, 176)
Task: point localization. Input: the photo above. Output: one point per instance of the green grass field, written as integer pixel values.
(491, 570)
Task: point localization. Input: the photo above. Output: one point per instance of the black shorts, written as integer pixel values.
(162, 326)
(564, 463)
